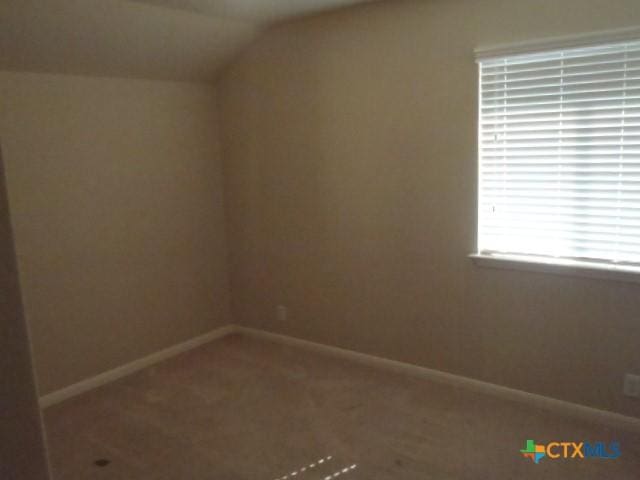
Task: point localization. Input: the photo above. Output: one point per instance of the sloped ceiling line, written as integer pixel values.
(155, 39)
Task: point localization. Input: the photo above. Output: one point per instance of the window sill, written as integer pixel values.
(558, 267)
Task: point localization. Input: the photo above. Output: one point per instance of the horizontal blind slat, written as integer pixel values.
(557, 108)
(560, 73)
(570, 56)
(555, 65)
(566, 86)
(573, 94)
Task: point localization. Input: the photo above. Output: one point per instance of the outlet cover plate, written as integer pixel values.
(281, 313)
(632, 385)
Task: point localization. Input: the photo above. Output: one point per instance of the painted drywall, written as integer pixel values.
(117, 38)
(349, 146)
(116, 196)
(22, 450)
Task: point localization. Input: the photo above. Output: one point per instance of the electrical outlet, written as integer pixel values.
(632, 385)
(281, 313)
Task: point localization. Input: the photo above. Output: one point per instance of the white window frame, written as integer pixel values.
(562, 266)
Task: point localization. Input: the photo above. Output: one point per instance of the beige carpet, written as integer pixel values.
(245, 409)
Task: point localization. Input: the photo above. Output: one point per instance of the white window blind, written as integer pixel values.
(559, 152)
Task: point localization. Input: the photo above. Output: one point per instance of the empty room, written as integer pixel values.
(319, 239)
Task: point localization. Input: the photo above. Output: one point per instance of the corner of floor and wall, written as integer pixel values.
(116, 196)
(325, 190)
(349, 152)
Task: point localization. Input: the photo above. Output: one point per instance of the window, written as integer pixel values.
(559, 155)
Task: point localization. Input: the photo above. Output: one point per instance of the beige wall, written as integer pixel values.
(22, 451)
(350, 166)
(116, 198)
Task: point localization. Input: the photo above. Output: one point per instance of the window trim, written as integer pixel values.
(574, 268)
(540, 264)
(557, 43)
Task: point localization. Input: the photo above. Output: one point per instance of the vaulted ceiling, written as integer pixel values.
(159, 39)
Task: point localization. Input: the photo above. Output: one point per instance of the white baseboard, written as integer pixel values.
(132, 367)
(562, 407)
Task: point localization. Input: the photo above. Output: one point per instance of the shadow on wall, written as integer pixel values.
(22, 450)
